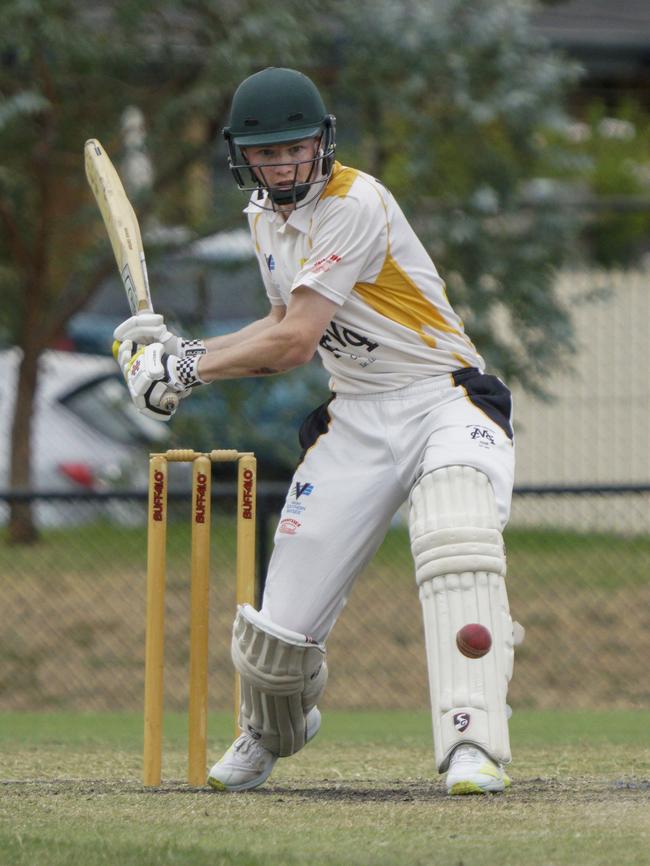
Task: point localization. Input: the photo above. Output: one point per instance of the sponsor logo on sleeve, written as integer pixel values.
(270, 262)
(323, 265)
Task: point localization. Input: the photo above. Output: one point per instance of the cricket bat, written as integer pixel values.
(121, 224)
(123, 230)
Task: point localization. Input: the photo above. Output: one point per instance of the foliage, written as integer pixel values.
(450, 121)
(67, 72)
(443, 101)
(604, 160)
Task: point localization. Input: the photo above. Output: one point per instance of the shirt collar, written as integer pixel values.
(299, 219)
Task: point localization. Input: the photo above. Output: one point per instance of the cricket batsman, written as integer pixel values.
(413, 416)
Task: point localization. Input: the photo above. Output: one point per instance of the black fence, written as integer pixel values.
(73, 603)
(54, 509)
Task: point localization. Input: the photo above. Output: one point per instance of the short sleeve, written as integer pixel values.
(271, 291)
(347, 242)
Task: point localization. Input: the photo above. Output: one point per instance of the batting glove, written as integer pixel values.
(154, 389)
(146, 328)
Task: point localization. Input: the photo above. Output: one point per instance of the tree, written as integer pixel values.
(449, 101)
(444, 101)
(67, 72)
(606, 163)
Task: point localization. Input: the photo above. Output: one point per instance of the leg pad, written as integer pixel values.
(283, 674)
(460, 565)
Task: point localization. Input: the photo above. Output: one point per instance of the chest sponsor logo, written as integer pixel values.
(342, 342)
(483, 436)
(461, 721)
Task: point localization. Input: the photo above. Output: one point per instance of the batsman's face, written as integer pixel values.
(282, 165)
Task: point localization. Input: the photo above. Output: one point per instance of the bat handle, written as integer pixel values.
(170, 403)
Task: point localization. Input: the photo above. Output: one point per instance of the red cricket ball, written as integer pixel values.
(473, 640)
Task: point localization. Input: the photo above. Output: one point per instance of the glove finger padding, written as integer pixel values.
(143, 328)
(147, 328)
(283, 674)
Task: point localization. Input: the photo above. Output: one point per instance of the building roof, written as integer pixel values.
(609, 38)
(597, 24)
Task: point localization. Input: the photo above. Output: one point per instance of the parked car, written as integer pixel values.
(87, 434)
(261, 415)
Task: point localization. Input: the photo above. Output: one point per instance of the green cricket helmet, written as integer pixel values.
(276, 106)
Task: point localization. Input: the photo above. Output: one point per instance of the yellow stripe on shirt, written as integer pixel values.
(396, 296)
(341, 180)
(255, 221)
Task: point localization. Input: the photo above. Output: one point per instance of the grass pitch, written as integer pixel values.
(364, 793)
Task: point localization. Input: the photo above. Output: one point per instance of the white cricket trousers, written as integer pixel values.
(363, 454)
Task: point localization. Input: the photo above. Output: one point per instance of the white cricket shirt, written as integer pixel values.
(353, 245)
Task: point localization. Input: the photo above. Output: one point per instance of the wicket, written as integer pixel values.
(199, 580)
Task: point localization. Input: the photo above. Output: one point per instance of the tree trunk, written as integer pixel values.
(22, 529)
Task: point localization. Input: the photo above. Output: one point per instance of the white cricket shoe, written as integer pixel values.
(247, 764)
(472, 772)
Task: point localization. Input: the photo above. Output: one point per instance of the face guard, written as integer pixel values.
(251, 178)
(279, 106)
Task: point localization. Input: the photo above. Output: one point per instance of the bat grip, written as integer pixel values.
(170, 403)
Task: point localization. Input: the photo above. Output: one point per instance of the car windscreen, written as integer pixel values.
(104, 404)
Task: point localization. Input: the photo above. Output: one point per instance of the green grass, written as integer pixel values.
(549, 556)
(365, 793)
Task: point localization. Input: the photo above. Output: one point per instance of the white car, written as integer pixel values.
(87, 435)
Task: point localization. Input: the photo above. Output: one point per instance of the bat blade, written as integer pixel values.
(124, 232)
(121, 224)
